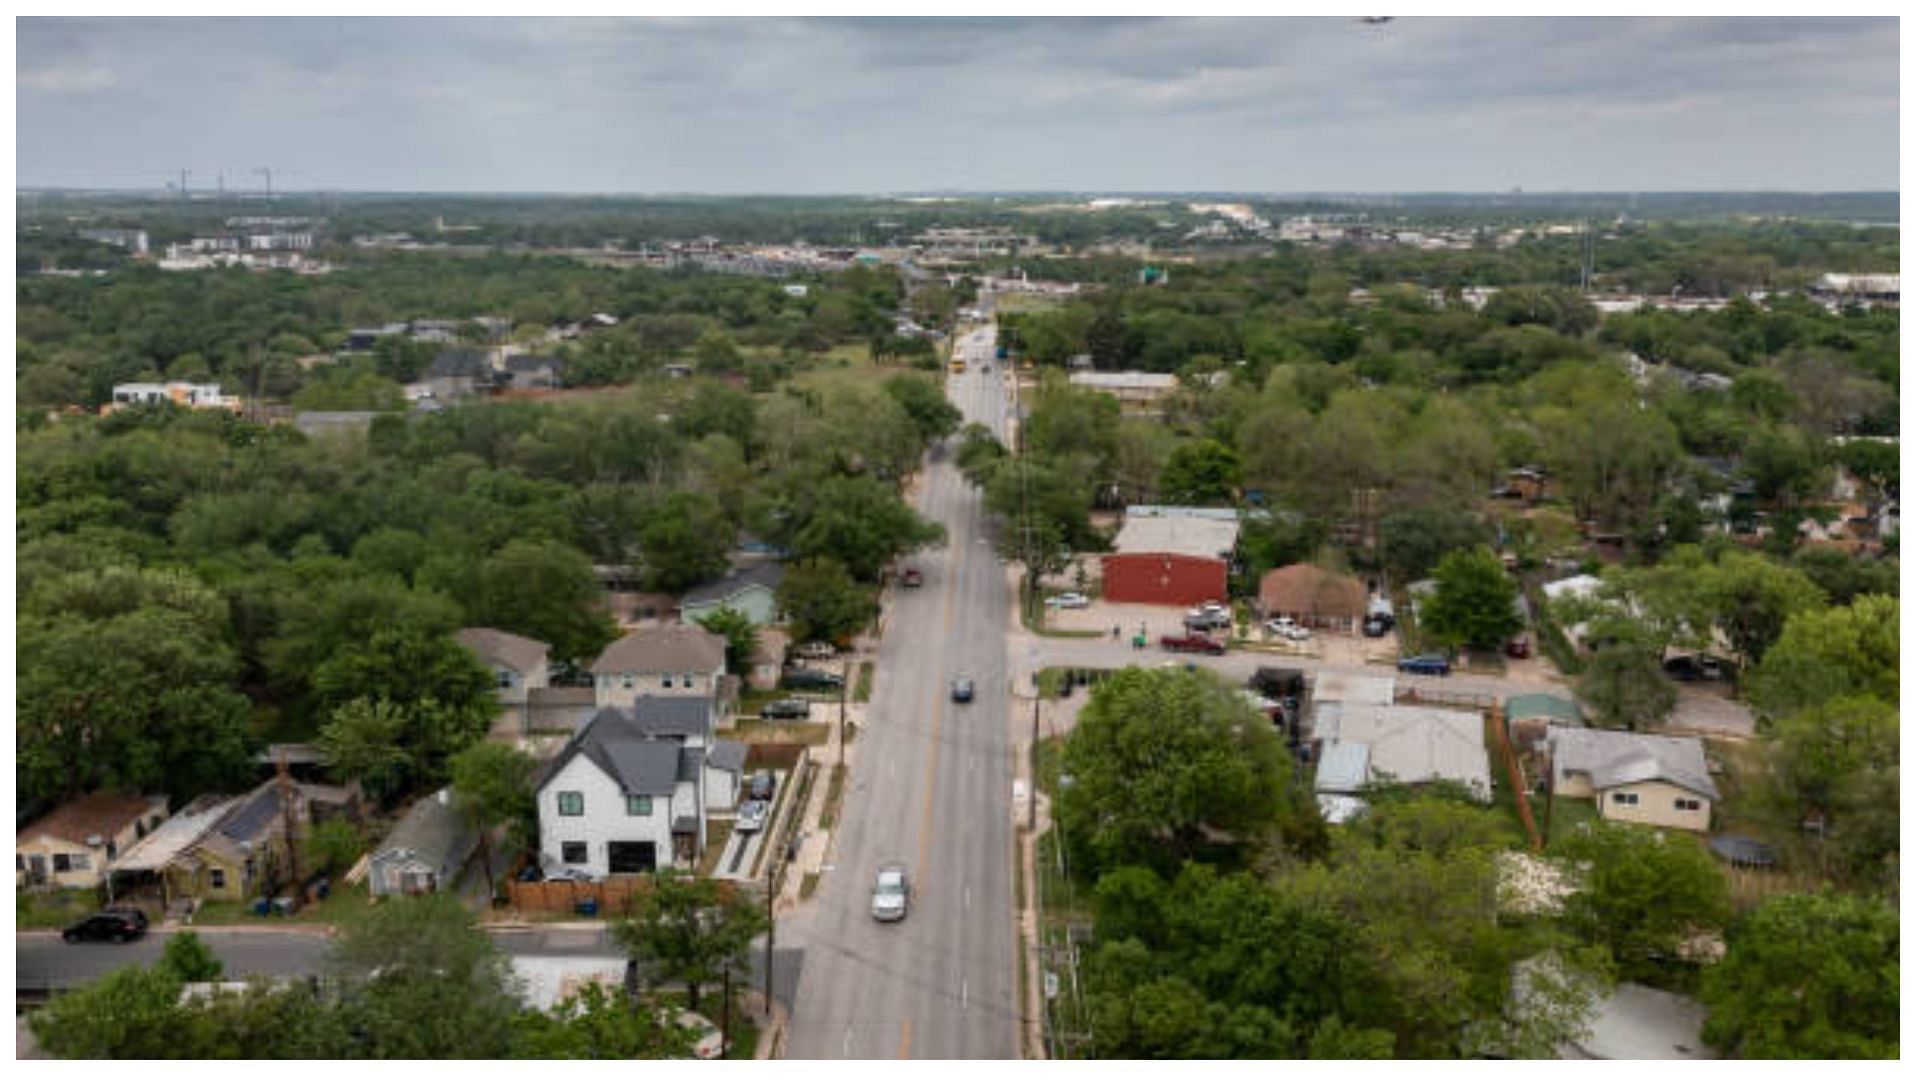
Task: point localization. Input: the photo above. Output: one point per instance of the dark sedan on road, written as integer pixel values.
(109, 925)
(1426, 664)
(962, 689)
(1199, 643)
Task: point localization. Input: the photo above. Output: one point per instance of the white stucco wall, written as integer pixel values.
(1656, 806)
(605, 819)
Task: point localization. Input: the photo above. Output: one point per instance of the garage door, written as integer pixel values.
(628, 857)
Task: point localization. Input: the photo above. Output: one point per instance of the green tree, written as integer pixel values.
(599, 1024)
(131, 1012)
(1162, 760)
(743, 637)
(690, 930)
(1642, 893)
(933, 415)
(493, 785)
(1752, 597)
(188, 959)
(1838, 652)
(685, 540)
(1624, 687)
(441, 690)
(1472, 601)
(332, 846)
(1808, 976)
(1414, 539)
(823, 602)
(366, 740)
(1202, 473)
(423, 981)
(546, 591)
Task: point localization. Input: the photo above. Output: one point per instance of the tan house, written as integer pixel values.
(1646, 779)
(668, 660)
(71, 846)
(1314, 597)
(224, 848)
(519, 664)
(769, 660)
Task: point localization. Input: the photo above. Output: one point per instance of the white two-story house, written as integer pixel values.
(631, 791)
(672, 660)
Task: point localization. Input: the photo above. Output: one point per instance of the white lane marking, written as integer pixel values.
(963, 994)
(966, 897)
(846, 1044)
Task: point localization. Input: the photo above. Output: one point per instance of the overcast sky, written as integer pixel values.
(814, 106)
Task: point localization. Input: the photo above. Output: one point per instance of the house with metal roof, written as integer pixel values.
(1648, 779)
(425, 851)
(1404, 744)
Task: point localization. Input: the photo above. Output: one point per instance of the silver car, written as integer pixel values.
(752, 815)
(890, 893)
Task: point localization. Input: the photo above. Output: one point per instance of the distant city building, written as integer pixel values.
(134, 240)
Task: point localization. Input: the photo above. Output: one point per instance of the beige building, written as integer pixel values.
(71, 847)
(1645, 779)
(669, 660)
(1139, 392)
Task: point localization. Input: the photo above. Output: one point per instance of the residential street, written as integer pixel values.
(933, 791)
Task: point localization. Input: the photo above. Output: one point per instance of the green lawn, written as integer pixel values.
(52, 910)
(863, 685)
(343, 903)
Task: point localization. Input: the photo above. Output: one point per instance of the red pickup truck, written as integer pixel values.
(1192, 643)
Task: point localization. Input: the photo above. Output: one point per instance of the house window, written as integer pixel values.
(626, 682)
(217, 878)
(505, 679)
(1686, 804)
(62, 862)
(687, 680)
(1626, 798)
(573, 852)
(572, 804)
(82, 862)
(666, 681)
(639, 806)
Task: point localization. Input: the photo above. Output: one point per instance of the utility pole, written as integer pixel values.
(773, 863)
(840, 752)
(1033, 758)
(291, 817)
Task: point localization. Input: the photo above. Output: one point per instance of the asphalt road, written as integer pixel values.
(43, 962)
(933, 789)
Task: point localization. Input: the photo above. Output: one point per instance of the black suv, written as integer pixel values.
(114, 924)
(802, 678)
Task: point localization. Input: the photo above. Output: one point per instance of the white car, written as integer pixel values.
(1287, 628)
(1068, 600)
(890, 893)
(816, 650)
(752, 816)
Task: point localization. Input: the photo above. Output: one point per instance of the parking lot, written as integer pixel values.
(1155, 621)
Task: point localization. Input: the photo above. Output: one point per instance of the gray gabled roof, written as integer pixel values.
(532, 363)
(728, 756)
(639, 766)
(670, 647)
(666, 717)
(1616, 758)
(766, 575)
(434, 831)
(458, 363)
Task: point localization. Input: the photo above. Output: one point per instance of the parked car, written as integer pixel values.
(1284, 626)
(962, 689)
(1068, 600)
(910, 577)
(1692, 668)
(890, 893)
(816, 650)
(708, 1040)
(752, 816)
(760, 787)
(805, 678)
(785, 709)
(1425, 664)
(1376, 626)
(110, 925)
(1192, 643)
(1520, 647)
